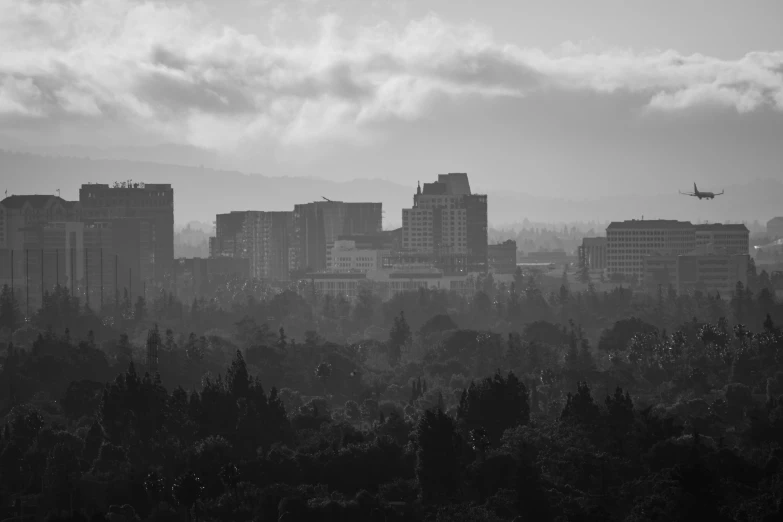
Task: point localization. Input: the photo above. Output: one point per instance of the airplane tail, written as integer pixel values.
(695, 190)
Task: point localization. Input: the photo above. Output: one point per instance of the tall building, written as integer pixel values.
(447, 219)
(735, 239)
(629, 242)
(266, 244)
(317, 225)
(153, 203)
(17, 215)
(592, 252)
(228, 235)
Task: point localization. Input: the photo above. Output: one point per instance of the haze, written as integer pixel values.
(572, 100)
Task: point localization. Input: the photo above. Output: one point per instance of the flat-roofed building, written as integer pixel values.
(733, 238)
(629, 242)
(502, 258)
(151, 202)
(711, 271)
(592, 253)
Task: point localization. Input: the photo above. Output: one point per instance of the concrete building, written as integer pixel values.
(18, 213)
(153, 203)
(387, 283)
(265, 242)
(712, 271)
(707, 269)
(346, 257)
(502, 258)
(593, 253)
(446, 218)
(735, 239)
(317, 225)
(775, 228)
(74, 255)
(629, 242)
(228, 235)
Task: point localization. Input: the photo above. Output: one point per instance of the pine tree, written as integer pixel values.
(10, 317)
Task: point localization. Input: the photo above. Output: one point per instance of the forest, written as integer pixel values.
(515, 403)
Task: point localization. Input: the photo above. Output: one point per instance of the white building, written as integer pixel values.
(387, 283)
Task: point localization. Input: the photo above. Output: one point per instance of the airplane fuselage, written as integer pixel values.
(705, 195)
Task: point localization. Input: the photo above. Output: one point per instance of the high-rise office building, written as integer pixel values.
(447, 220)
(17, 215)
(266, 244)
(629, 242)
(733, 238)
(317, 225)
(153, 203)
(228, 235)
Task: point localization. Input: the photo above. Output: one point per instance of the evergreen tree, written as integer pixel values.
(437, 457)
(10, 317)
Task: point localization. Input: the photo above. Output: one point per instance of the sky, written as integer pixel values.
(553, 98)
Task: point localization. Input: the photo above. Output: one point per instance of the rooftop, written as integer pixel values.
(713, 227)
(649, 223)
(35, 200)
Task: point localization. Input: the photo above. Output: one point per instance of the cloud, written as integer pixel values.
(172, 70)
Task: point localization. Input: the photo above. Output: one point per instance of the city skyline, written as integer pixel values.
(638, 98)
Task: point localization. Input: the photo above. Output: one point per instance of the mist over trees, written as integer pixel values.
(516, 401)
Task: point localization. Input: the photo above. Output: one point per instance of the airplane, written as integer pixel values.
(701, 195)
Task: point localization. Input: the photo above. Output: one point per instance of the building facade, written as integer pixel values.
(386, 284)
(629, 242)
(502, 258)
(446, 218)
(593, 253)
(228, 235)
(734, 239)
(153, 203)
(345, 256)
(712, 272)
(318, 225)
(265, 243)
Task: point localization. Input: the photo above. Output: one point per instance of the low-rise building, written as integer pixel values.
(387, 283)
(502, 258)
(593, 253)
(346, 257)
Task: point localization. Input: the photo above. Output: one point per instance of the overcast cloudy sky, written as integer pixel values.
(577, 98)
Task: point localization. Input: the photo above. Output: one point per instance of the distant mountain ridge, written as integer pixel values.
(200, 193)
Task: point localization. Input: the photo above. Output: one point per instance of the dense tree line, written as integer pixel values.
(516, 402)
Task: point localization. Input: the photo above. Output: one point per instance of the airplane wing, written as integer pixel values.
(687, 193)
(720, 193)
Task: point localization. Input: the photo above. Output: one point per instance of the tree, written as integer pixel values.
(187, 490)
(10, 316)
(437, 456)
(237, 377)
(399, 336)
(140, 309)
(584, 273)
